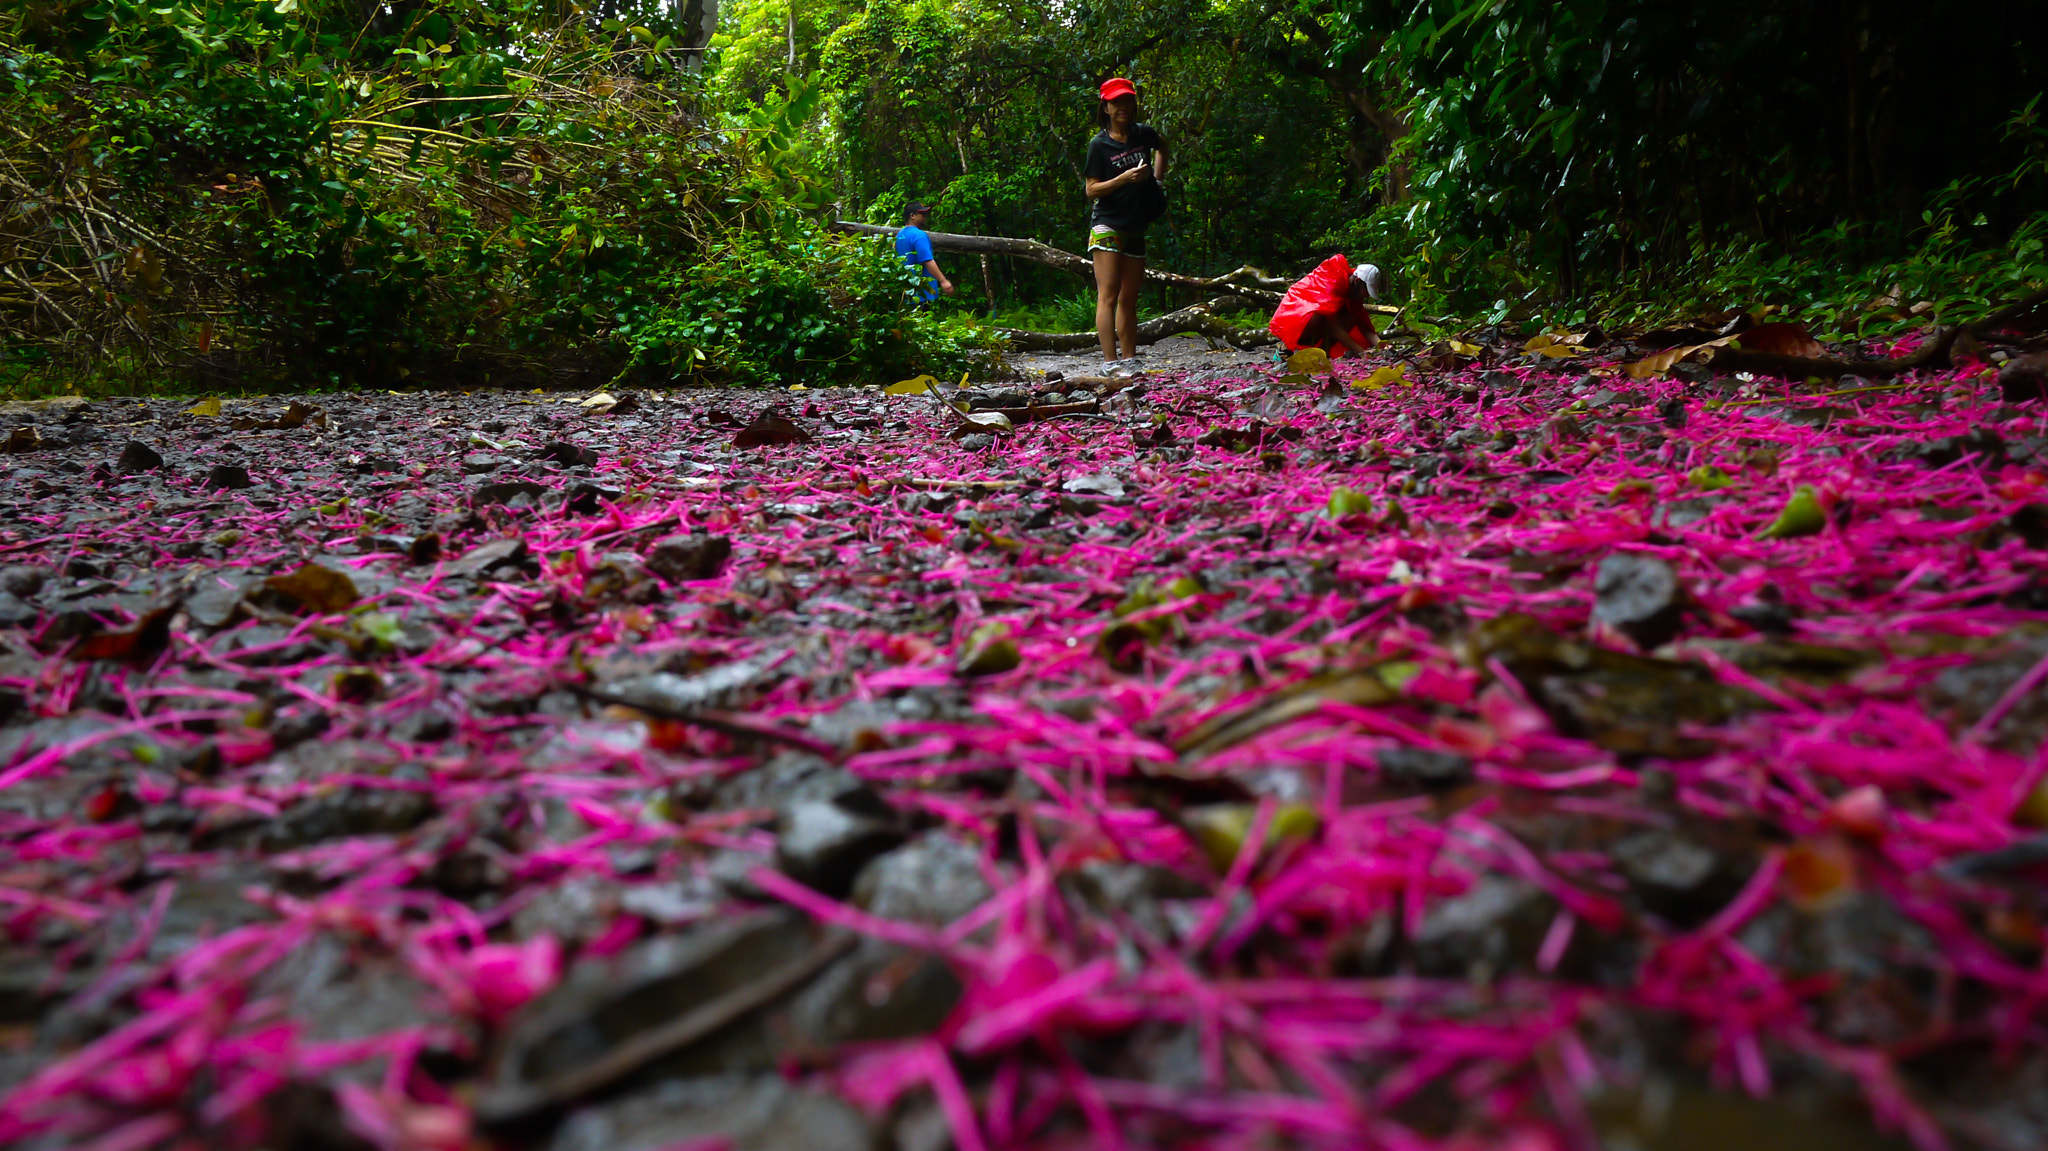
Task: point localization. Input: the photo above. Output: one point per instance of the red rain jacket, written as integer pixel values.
(1322, 290)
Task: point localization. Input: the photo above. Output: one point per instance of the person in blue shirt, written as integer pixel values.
(915, 246)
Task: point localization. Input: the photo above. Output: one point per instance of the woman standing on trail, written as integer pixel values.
(1126, 162)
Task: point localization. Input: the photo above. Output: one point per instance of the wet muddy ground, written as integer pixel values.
(1181, 354)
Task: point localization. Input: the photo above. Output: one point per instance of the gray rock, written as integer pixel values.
(922, 1127)
(504, 492)
(14, 612)
(588, 499)
(1664, 862)
(31, 983)
(2024, 378)
(1969, 691)
(266, 646)
(935, 879)
(226, 477)
(351, 811)
(669, 693)
(1496, 925)
(824, 844)
(742, 1113)
(879, 993)
(1679, 877)
(564, 454)
(1820, 416)
(671, 904)
(214, 598)
(337, 996)
(786, 778)
(484, 559)
(1986, 447)
(1136, 890)
(428, 726)
(681, 559)
(1420, 767)
(481, 463)
(1677, 514)
(137, 457)
(307, 1117)
(575, 910)
(24, 580)
(1638, 596)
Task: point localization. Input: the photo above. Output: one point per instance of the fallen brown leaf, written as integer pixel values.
(1781, 339)
(770, 427)
(315, 588)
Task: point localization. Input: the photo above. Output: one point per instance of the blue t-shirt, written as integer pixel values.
(916, 249)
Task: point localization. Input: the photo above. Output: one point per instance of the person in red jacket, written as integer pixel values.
(1326, 308)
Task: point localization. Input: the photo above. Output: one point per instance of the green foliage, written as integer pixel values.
(764, 309)
(1073, 312)
(782, 160)
(984, 109)
(324, 193)
(1587, 141)
(290, 191)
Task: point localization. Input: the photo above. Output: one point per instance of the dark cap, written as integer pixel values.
(914, 207)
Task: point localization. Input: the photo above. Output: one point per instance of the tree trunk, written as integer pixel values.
(700, 21)
(1391, 128)
(988, 281)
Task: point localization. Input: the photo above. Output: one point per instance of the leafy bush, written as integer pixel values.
(796, 304)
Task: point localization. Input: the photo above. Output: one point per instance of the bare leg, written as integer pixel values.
(1130, 281)
(1106, 285)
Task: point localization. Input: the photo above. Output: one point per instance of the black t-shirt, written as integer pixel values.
(1108, 159)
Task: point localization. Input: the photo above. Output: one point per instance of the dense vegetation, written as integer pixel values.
(287, 194)
(290, 193)
(1507, 158)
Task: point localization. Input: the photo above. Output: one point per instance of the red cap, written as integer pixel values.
(1118, 86)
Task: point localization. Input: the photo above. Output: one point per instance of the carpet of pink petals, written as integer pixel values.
(1200, 633)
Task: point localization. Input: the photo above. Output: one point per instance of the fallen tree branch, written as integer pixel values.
(1200, 318)
(1932, 352)
(1246, 283)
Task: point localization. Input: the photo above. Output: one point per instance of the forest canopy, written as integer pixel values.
(307, 192)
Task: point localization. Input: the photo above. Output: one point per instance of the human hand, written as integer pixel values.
(946, 286)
